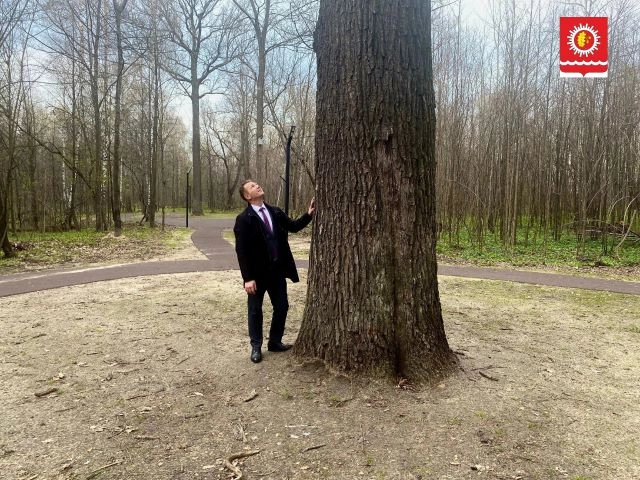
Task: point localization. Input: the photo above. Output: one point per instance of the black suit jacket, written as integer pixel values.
(252, 245)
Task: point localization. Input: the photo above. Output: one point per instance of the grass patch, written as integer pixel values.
(534, 252)
(555, 256)
(36, 250)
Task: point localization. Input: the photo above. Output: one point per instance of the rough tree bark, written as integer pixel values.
(373, 304)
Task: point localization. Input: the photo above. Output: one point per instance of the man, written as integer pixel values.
(266, 262)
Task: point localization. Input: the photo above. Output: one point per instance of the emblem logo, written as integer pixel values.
(584, 47)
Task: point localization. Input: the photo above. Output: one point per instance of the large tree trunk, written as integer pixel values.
(372, 303)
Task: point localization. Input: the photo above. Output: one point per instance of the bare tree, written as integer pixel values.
(524, 157)
(77, 31)
(220, 146)
(203, 33)
(273, 28)
(291, 101)
(118, 10)
(12, 97)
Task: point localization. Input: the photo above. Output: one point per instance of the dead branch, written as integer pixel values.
(44, 393)
(488, 377)
(101, 469)
(314, 447)
(229, 465)
(182, 361)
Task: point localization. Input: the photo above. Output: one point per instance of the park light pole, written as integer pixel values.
(188, 196)
(287, 166)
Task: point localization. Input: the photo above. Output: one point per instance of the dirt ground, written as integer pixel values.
(150, 378)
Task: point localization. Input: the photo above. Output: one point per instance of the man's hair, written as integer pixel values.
(241, 189)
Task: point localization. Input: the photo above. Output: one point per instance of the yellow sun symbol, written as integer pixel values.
(583, 40)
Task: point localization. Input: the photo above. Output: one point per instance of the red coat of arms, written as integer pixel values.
(584, 47)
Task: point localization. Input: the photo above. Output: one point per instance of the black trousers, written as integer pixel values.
(276, 287)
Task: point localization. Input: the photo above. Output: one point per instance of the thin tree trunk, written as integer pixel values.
(261, 35)
(155, 142)
(98, 182)
(7, 249)
(195, 144)
(118, 9)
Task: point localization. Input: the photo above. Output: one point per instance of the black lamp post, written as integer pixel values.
(287, 169)
(188, 196)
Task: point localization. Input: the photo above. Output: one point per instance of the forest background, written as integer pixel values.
(108, 107)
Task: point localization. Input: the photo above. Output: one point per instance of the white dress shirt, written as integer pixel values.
(266, 211)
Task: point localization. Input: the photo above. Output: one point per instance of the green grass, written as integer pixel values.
(36, 248)
(42, 250)
(563, 252)
(140, 241)
(557, 255)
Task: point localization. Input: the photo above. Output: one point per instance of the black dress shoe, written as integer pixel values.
(278, 347)
(256, 355)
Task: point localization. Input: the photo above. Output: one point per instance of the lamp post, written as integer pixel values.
(287, 165)
(187, 198)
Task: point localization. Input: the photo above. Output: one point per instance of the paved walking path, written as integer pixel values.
(207, 237)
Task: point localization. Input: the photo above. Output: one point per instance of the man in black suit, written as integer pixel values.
(266, 262)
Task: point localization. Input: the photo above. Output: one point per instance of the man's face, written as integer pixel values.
(253, 191)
